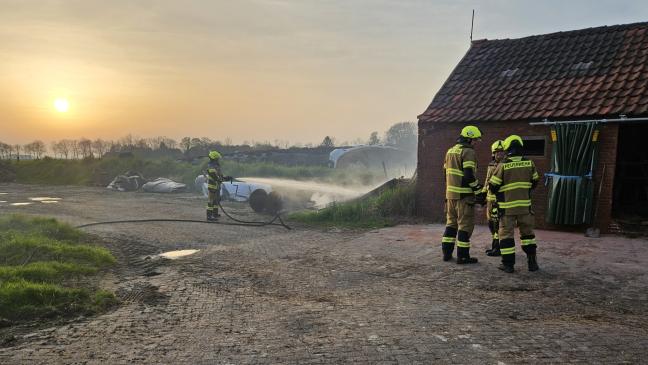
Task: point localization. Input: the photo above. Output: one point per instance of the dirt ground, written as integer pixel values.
(269, 295)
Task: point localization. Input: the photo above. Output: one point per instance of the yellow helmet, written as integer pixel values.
(497, 146)
(471, 131)
(510, 139)
(214, 155)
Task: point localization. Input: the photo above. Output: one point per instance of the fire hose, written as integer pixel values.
(275, 221)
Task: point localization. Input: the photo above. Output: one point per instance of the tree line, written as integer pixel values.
(402, 135)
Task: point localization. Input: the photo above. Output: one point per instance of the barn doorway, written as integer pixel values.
(630, 199)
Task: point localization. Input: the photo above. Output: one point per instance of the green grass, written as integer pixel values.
(383, 210)
(37, 257)
(48, 227)
(101, 171)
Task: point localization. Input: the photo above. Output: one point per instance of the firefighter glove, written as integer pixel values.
(480, 198)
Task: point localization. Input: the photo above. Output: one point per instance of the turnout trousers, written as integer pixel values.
(460, 223)
(507, 224)
(213, 198)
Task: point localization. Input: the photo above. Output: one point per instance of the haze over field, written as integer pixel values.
(248, 70)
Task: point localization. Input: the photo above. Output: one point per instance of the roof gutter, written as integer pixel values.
(622, 119)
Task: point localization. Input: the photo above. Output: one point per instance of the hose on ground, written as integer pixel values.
(237, 222)
(270, 222)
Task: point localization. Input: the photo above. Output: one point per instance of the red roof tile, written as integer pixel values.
(582, 73)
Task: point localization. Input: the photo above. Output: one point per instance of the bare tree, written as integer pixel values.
(5, 151)
(64, 147)
(54, 147)
(141, 143)
(39, 148)
(28, 149)
(127, 141)
(100, 147)
(170, 143)
(327, 142)
(85, 145)
(74, 147)
(402, 135)
(373, 139)
(17, 149)
(185, 144)
(206, 141)
(196, 142)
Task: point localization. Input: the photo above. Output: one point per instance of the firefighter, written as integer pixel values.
(214, 180)
(463, 190)
(498, 154)
(512, 182)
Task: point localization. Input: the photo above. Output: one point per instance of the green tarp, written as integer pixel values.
(570, 183)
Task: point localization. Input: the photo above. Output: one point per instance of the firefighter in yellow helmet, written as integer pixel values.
(462, 191)
(498, 155)
(214, 180)
(512, 182)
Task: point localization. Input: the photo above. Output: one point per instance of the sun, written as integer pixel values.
(62, 105)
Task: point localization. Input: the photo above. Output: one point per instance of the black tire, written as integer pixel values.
(258, 200)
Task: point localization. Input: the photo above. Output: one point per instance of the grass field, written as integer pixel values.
(49, 171)
(40, 260)
(386, 209)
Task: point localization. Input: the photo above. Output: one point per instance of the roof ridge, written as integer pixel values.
(567, 33)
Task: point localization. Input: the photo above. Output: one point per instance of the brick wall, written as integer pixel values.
(607, 157)
(436, 138)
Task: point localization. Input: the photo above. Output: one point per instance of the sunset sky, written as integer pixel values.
(248, 69)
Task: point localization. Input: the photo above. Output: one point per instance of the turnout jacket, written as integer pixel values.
(460, 170)
(511, 182)
(214, 175)
(489, 172)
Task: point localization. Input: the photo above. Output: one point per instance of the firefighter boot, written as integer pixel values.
(448, 242)
(495, 250)
(466, 260)
(211, 217)
(463, 256)
(533, 262)
(447, 250)
(215, 214)
(508, 263)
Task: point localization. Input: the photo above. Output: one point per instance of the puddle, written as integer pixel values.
(4, 193)
(177, 254)
(3, 201)
(49, 201)
(21, 204)
(44, 199)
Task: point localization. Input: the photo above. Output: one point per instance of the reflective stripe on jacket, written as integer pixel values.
(512, 181)
(460, 169)
(214, 175)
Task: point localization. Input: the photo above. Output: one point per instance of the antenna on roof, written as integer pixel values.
(472, 24)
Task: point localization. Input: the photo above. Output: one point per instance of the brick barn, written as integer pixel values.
(576, 98)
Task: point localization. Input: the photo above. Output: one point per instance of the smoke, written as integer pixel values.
(298, 194)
